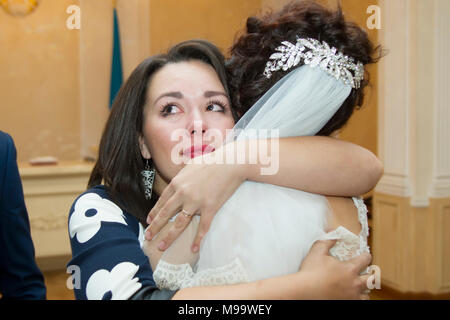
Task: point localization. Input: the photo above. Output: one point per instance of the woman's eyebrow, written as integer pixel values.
(209, 94)
(174, 94)
(179, 95)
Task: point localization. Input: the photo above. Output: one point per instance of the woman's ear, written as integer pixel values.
(145, 152)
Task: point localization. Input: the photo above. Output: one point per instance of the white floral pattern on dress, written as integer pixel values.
(89, 213)
(119, 284)
(141, 237)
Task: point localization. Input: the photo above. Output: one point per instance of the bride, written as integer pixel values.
(308, 80)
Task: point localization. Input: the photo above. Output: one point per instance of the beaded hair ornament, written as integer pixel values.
(319, 55)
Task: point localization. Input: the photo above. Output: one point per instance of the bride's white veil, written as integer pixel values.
(300, 104)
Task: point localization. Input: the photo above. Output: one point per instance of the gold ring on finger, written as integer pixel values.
(186, 214)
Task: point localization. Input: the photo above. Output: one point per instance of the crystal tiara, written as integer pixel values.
(320, 54)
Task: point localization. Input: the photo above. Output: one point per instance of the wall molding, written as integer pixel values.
(420, 202)
(440, 185)
(394, 136)
(396, 185)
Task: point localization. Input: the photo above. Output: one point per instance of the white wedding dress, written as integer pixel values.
(264, 230)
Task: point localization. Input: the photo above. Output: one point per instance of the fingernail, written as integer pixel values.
(149, 219)
(148, 235)
(195, 249)
(162, 246)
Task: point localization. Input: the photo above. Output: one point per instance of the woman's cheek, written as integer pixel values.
(166, 168)
(166, 153)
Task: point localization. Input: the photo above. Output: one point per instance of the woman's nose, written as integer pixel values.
(197, 127)
(197, 124)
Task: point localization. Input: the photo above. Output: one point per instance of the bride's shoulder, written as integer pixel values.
(344, 213)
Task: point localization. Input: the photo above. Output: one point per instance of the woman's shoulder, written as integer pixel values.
(92, 209)
(93, 199)
(94, 196)
(100, 190)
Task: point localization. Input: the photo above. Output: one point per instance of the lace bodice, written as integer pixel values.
(177, 276)
(174, 277)
(350, 245)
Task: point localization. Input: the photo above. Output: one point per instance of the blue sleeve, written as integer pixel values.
(20, 278)
(107, 259)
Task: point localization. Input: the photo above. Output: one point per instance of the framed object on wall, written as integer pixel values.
(19, 8)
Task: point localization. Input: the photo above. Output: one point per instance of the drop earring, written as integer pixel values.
(148, 177)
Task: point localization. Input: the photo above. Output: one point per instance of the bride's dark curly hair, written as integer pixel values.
(304, 19)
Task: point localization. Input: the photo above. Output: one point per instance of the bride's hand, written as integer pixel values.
(201, 188)
(332, 279)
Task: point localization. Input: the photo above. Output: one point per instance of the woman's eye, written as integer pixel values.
(170, 109)
(215, 107)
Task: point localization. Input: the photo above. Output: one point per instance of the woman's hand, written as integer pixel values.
(321, 277)
(333, 279)
(200, 188)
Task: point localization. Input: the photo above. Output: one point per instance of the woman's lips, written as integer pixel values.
(196, 151)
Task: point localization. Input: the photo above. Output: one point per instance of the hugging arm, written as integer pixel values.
(314, 164)
(321, 165)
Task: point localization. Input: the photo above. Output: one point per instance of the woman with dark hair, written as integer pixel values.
(301, 71)
(247, 82)
(166, 93)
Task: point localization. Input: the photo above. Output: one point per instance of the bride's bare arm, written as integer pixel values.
(321, 165)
